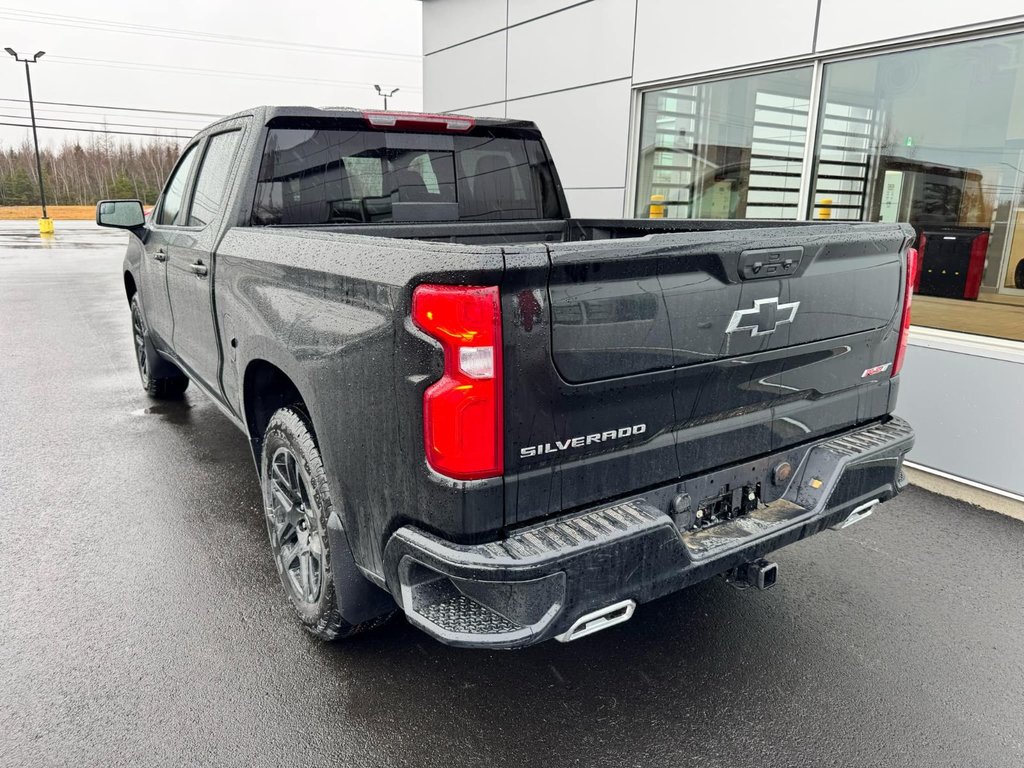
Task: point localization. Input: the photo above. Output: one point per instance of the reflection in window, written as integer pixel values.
(728, 149)
(331, 174)
(174, 193)
(212, 181)
(935, 137)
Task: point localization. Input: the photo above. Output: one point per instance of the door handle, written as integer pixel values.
(160, 255)
(199, 269)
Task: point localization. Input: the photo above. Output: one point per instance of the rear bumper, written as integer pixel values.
(534, 584)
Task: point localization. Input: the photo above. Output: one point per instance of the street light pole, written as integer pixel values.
(45, 224)
(386, 95)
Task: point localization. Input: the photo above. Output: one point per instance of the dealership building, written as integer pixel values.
(795, 109)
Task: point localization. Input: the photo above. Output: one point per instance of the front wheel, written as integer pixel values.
(1018, 275)
(298, 504)
(160, 387)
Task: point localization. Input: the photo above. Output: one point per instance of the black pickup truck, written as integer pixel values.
(508, 423)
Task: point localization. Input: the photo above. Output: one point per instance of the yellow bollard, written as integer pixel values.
(656, 210)
(825, 208)
(46, 226)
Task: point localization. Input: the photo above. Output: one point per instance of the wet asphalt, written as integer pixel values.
(142, 623)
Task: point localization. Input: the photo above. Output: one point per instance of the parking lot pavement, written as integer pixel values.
(142, 623)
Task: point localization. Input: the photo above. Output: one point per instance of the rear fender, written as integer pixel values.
(359, 599)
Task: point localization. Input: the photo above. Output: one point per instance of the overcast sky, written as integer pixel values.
(207, 56)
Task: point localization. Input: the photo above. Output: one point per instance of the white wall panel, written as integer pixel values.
(675, 39)
(876, 20)
(522, 10)
(595, 203)
(965, 406)
(448, 22)
(469, 74)
(586, 130)
(586, 44)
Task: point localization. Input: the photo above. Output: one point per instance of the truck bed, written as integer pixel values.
(545, 230)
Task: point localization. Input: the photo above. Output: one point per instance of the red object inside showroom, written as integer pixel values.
(952, 262)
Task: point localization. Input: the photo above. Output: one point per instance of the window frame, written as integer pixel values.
(194, 181)
(815, 65)
(818, 61)
(186, 195)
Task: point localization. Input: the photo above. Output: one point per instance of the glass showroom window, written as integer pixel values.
(726, 149)
(935, 137)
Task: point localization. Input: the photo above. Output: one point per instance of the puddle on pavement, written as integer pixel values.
(176, 412)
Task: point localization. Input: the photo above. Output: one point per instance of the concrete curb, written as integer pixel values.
(963, 492)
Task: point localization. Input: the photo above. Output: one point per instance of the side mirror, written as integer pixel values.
(120, 214)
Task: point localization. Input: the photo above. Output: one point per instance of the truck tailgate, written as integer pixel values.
(646, 360)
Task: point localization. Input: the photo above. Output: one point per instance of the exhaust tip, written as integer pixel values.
(858, 514)
(603, 618)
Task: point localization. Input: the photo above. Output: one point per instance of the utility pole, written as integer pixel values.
(386, 95)
(45, 223)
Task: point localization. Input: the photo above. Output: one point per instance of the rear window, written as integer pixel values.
(344, 172)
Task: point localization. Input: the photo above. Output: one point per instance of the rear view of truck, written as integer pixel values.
(514, 424)
(661, 407)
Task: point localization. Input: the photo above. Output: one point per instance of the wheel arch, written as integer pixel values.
(265, 388)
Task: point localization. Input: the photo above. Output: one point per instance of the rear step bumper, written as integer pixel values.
(584, 572)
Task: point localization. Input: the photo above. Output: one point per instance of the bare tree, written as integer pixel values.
(80, 173)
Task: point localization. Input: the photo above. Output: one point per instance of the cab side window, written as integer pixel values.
(212, 180)
(174, 193)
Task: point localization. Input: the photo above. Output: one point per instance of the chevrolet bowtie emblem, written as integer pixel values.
(764, 318)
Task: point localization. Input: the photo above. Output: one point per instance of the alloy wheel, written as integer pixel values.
(138, 334)
(293, 520)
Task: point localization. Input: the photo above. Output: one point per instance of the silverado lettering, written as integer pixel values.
(582, 440)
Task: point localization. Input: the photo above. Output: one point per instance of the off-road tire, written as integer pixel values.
(289, 433)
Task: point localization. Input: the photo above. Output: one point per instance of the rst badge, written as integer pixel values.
(875, 370)
(581, 440)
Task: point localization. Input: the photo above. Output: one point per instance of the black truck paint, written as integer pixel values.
(657, 375)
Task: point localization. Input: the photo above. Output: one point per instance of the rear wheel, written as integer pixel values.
(298, 503)
(1018, 275)
(160, 387)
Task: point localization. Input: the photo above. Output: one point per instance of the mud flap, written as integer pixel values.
(359, 599)
(159, 366)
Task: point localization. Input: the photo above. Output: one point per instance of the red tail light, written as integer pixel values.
(910, 279)
(462, 412)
